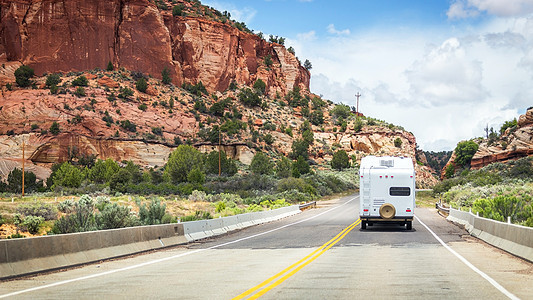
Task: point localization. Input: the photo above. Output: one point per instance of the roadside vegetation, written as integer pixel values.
(112, 194)
(496, 191)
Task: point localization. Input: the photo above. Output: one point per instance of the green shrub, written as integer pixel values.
(110, 66)
(129, 126)
(142, 107)
(113, 216)
(80, 81)
(398, 142)
(300, 167)
(125, 93)
(177, 10)
(198, 215)
(23, 75)
(197, 89)
(464, 151)
(82, 219)
(249, 98)
(141, 85)
(67, 176)
(283, 168)
(153, 214)
(33, 223)
(53, 80)
(38, 209)
(227, 165)
(317, 117)
(181, 161)
(54, 128)
(260, 86)
(261, 164)
(340, 160)
(80, 92)
(341, 111)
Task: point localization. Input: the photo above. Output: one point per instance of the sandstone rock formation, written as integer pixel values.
(61, 36)
(514, 143)
(135, 35)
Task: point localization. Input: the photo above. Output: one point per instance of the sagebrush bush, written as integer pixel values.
(38, 209)
(33, 223)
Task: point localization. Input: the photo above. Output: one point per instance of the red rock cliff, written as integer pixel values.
(61, 36)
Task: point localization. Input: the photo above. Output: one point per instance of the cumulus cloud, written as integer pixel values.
(461, 9)
(443, 87)
(446, 75)
(331, 29)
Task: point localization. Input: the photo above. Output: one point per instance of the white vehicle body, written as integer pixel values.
(387, 190)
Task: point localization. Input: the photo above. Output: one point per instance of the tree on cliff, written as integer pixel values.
(307, 65)
(23, 75)
(464, 152)
(165, 76)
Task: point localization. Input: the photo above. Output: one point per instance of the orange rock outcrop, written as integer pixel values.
(62, 36)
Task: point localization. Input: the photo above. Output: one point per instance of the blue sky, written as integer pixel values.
(442, 69)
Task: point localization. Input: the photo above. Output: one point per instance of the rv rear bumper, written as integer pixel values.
(379, 219)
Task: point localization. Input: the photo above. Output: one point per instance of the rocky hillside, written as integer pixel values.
(226, 82)
(515, 141)
(195, 44)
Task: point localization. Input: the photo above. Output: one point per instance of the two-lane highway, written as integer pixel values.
(320, 253)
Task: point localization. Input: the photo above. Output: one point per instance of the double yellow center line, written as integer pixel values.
(277, 279)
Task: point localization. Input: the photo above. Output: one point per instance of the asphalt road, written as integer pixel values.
(318, 254)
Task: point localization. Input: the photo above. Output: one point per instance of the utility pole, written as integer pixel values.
(23, 158)
(219, 162)
(357, 107)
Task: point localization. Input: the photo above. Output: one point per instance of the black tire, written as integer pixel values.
(363, 225)
(370, 224)
(409, 225)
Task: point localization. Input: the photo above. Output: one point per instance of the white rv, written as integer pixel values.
(387, 190)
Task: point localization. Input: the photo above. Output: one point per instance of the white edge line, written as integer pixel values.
(166, 258)
(470, 265)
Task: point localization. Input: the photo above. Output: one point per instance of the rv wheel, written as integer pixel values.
(363, 225)
(409, 225)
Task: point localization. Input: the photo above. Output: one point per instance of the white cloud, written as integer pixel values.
(446, 75)
(444, 86)
(461, 9)
(332, 30)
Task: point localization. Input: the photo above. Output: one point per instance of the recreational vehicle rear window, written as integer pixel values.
(400, 191)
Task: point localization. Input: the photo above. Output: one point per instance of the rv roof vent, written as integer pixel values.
(386, 163)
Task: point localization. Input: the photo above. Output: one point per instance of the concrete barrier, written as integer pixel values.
(31, 255)
(512, 238)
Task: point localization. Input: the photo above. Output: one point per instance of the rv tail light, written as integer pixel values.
(361, 176)
(411, 176)
(408, 210)
(365, 210)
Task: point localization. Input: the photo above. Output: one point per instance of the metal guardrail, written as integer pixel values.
(308, 205)
(441, 208)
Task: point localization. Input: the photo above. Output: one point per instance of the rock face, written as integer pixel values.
(512, 144)
(61, 36)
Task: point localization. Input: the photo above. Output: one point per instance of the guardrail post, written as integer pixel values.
(509, 220)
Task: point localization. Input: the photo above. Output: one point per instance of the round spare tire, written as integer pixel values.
(387, 211)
